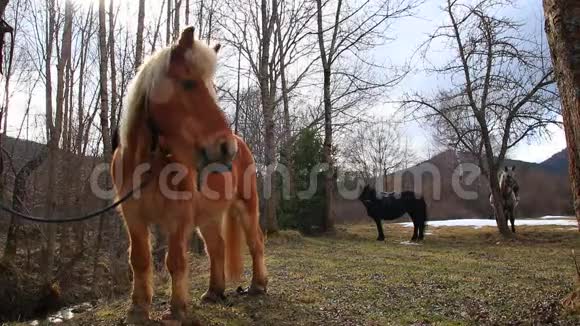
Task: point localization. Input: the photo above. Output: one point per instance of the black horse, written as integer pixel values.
(390, 206)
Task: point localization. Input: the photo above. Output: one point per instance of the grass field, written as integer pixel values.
(458, 276)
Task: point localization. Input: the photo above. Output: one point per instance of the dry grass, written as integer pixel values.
(458, 276)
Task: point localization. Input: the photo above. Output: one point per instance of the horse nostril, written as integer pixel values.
(204, 154)
(224, 149)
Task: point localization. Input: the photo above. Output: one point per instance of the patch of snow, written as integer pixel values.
(479, 223)
(409, 243)
(554, 217)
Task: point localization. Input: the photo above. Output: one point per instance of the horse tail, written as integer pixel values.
(232, 234)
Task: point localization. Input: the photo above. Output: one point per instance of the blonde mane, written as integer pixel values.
(202, 59)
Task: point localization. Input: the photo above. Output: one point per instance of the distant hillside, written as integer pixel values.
(558, 163)
(545, 189)
(72, 184)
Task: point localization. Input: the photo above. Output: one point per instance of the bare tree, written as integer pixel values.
(354, 28)
(502, 89)
(561, 20)
(377, 149)
(104, 110)
(103, 81)
(54, 123)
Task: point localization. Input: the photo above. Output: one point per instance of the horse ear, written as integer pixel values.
(217, 48)
(187, 37)
(513, 168)
(505, 168)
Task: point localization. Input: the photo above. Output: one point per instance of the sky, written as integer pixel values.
(409, 33)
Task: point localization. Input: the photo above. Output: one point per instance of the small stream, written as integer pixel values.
(63, 314)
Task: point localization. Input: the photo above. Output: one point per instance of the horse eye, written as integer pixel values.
(188, 84)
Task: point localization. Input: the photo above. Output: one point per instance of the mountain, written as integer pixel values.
(558, 163)
(544, 188)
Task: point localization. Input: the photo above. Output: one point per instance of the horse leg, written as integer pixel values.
(255, 242)
(422, 219)
(415, 229)
(422, 223)
(512, 220)
(380, 229)
(141, 265)
(214, 245)
(176, 262)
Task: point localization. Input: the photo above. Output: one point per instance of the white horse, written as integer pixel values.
(509, 189)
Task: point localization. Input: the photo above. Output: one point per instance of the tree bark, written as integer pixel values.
(168, 23)
(54, 127)
(139, 39)
(327, 58)
(563, 31)
(264, 78)
(327, 154)
(238, 104)
(176, 19)
(104, 116)
(114, 94)
(187, 12)
(103, 79)
(287, 137)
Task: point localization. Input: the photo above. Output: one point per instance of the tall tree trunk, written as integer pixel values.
(268, 113)
(104, 115)
(114, 94)
(238, 86)
(493, 170)
(563, 30)
(139, 39)
(103, 79)
(498, 207)
(200, 18)
(168, 23)
(327, 155)
(187, 12)
(176, 19)
(326, 59)
(55, 126)
(287, 137)
(210, 22)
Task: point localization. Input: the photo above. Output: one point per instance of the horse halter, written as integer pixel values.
(204, 164)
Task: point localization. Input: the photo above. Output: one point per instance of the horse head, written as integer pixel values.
(367, 194)
(507, 180)
(184, 109)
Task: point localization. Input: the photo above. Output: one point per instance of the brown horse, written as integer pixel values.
(173, 128)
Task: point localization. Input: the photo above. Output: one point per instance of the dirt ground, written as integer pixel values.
(458, 276)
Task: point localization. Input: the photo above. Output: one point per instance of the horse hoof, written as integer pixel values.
(175, 316)
(212, 297)
(257, 290)
(137, 315)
